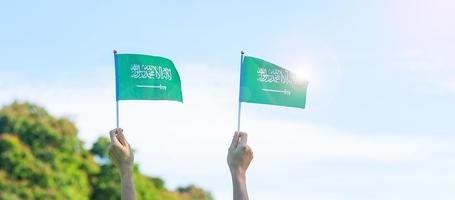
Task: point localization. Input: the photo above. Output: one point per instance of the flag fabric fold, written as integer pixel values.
(266, 83)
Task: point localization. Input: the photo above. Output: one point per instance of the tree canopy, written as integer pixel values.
(41, 157)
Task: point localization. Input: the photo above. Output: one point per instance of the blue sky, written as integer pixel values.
(379, 118)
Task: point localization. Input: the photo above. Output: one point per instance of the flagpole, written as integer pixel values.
(116, 87)
(240, 91)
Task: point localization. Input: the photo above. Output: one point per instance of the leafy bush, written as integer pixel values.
(41, 157)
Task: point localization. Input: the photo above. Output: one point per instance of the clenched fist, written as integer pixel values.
(122, 157)
(239, 158)
(239, 154)
(120, 151)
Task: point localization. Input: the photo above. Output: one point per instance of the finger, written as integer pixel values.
(235, 140)
(122, 138)
(248, 149)
(113, 135)
(243, 139)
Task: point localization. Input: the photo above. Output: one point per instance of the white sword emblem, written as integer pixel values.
(286, 92)
(161, 87)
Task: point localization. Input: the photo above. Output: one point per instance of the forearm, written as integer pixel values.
(128, 191)
(239, 186)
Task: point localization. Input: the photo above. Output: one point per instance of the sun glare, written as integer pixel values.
(303, 70)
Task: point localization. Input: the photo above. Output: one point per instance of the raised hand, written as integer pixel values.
(122, 157)
(239, 159)
(120, 151)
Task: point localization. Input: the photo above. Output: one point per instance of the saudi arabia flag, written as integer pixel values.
(266, 83)
(143, 77)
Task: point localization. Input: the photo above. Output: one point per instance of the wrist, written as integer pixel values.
(238, 174)
(126, 170)
(239, 185)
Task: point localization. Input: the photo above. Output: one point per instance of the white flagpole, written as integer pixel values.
(116, 103)
(116, 87)
(240, 92)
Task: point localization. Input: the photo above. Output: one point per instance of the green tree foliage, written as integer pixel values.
(194, 193)
(41, 157)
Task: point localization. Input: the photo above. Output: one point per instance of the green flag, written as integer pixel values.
(143, 77)
(266, 83)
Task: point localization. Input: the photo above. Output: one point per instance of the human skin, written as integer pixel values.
(122, 157)
(239, 159)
